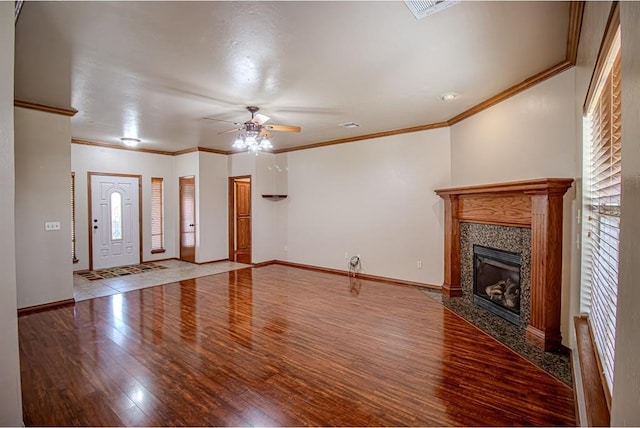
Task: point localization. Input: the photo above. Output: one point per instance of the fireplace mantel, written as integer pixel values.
(535, 204)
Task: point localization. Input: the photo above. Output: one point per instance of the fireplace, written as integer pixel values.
(533, 204)
(496, 282)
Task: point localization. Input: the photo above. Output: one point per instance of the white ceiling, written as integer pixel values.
(154, 70)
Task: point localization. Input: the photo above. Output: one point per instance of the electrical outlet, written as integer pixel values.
(419, 264)
(346, 255)
(51, 225)
(286, 248)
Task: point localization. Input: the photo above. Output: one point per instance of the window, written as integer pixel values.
(116, 216)
(157, 215)
(74, 254)
(602, 200)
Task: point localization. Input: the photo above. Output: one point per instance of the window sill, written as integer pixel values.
(158, 251)
(594, 392)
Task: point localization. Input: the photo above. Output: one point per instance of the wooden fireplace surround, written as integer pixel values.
(534, 204)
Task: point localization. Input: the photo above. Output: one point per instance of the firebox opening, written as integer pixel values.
(496, 282)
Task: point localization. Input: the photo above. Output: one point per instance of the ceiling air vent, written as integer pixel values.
(349, 125)
(420, 8)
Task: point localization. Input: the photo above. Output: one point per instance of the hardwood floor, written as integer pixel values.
(276, 346)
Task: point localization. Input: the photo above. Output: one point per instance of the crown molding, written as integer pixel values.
(203, 149)
(365, 137)
(143, 150)
(216, 151)
(509, 92)
(185, 151)
(120, 147)
(576, 12)
(48, 109)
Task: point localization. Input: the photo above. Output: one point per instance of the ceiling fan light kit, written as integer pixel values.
(253, 135)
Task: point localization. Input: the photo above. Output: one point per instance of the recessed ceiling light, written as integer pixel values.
(130, 142)
(349, 125)
(449, 96)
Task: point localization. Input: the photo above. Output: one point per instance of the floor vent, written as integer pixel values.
(422, 8)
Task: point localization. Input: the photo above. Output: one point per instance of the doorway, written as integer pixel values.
(114, 220)
(240, 219)
(188, 219)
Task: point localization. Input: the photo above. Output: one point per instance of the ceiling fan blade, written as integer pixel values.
(260, 119)
(264, 132)
(283, 128)
(230, 130)
(222, 120)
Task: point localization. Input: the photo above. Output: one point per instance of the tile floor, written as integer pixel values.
(177, 270)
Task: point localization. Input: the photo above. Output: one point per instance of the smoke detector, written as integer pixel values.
(421, 8)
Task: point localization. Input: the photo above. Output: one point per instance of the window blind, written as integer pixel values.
(602, 203)
(157, 214)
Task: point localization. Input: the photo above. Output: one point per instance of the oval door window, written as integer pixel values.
(116, 215)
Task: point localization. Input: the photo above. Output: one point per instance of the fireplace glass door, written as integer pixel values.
(496, 282)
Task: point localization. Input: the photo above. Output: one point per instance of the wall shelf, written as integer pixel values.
(274, 197)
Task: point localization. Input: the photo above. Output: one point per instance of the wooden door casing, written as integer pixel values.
(188, 219)
(240, 219)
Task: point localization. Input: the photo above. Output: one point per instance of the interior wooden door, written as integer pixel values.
(188, 219)
(241, 220)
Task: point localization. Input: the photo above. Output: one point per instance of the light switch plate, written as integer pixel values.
(51, 225)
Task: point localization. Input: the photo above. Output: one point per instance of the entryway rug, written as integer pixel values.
(93, 275)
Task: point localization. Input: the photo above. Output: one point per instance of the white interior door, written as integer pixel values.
(115, 220)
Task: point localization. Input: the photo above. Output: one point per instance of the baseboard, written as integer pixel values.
(211, 261)
(160, 260)
(195, 263)
(267, 263)
(46, 307)
(364, 276)
(596, 405)
(564, 350)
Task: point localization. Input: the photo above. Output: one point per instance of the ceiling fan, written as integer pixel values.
(253, 134)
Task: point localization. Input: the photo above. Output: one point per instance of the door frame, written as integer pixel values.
(232, 213)
(180, 212)
(90, 174)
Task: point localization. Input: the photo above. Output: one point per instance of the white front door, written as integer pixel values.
(115, 221)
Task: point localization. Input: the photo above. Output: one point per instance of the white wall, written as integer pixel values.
(625, 408)
(281, 168)
(374, 198)
(10, 393)
(43, 165)
(212, 208)
(86, 159)
(530, 135)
